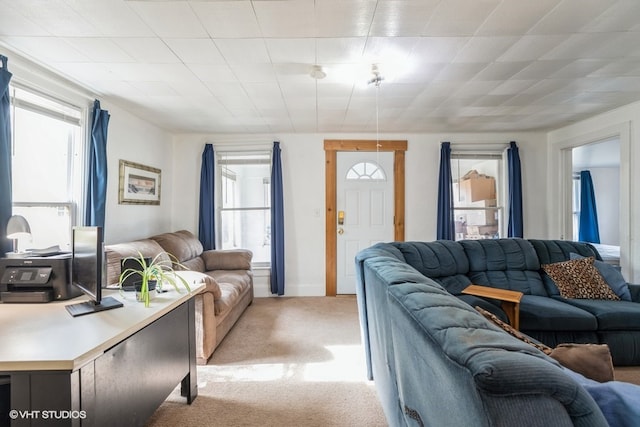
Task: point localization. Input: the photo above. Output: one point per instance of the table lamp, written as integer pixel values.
(17, 227)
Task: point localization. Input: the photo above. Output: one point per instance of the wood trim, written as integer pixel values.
(331, 147)
(331, 222)
(399, 195)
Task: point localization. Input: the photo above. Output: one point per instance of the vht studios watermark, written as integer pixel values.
(47, 415)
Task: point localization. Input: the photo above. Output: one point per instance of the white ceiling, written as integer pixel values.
(243, 66)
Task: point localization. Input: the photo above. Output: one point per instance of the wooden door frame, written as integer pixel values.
(331, 148)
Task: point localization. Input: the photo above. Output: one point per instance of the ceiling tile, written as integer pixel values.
(402, 17)
(297, 50)
(245, 51)
(344, 18)
(299, 18)
(514, 17)
(570, 16)
(57, 18)
(14, 23)
(195, 51)
(48, 49)
(162, 18)
(111, 18)
(98, 49)
(484, 49)
(459, 17)
(242, 65)
(213, 73)
(228, 19)
(145, 49)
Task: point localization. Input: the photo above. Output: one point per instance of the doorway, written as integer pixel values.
(332, 147)
(602, 160)
(364, 200)
(562, 189)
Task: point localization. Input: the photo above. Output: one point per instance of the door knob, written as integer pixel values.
(340, 230)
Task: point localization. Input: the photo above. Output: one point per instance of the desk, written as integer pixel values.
(109, 368)
(509, 300)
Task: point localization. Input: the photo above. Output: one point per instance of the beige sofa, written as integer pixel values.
(226, 273)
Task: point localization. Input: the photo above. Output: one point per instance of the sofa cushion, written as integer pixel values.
(539, 313)
(504, 263)
(578, 278)
(181, 244)
(444, 261)
(513, 331)
(230, 259)
(591, 360)
(194, 264)
(612, 276)
(610, 315)
(232, 284)
(116, 252)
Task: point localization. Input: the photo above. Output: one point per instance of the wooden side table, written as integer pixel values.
(509, 300)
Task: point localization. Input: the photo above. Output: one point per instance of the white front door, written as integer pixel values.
(364, 198)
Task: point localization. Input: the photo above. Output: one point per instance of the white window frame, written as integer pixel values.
(229, 149)
(77, 161)
(487, 152)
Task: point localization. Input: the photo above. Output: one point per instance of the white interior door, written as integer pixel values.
(364, 197)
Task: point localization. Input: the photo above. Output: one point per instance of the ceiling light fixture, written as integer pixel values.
(376, 80)
(317, 72)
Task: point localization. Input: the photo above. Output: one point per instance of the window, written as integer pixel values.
(46, 166)
(366, 170)
(477, 202)
(245, 203)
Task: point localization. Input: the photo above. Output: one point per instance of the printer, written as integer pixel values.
(36, 279)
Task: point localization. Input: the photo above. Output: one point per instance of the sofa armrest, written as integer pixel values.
(634, 289)
(229, 259)
(211, 285)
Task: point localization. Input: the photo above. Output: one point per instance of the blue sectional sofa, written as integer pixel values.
(437, 361)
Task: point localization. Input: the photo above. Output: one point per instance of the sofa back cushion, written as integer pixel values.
(444, 261)
(506, 264)
(116, 252)
(181, 244)
(552, 251)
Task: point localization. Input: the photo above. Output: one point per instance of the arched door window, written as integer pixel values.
(366, 170)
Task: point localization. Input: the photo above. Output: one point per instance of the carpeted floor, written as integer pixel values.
(287, 362)
(630, 374)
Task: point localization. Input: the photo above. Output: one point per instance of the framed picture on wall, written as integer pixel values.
(138, 184)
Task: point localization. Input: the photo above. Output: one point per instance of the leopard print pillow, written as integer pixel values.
(579, 278)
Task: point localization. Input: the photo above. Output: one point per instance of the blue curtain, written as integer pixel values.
(515, 226)
(277, 223)
(207, 219)
(5, 156)
(97, 189)
(446, 226)
(588, 226)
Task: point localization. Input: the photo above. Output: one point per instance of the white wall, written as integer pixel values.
(135, 140)
(623, 122)
(304, 191)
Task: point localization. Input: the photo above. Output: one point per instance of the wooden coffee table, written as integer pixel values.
(509, 300)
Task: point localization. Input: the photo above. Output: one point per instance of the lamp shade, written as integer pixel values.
(17, 226)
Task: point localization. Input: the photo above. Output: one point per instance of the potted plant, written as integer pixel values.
(153, 274)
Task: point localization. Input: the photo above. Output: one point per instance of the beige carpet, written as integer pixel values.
(287, 362)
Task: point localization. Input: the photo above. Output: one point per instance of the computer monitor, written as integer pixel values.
(88, 271)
